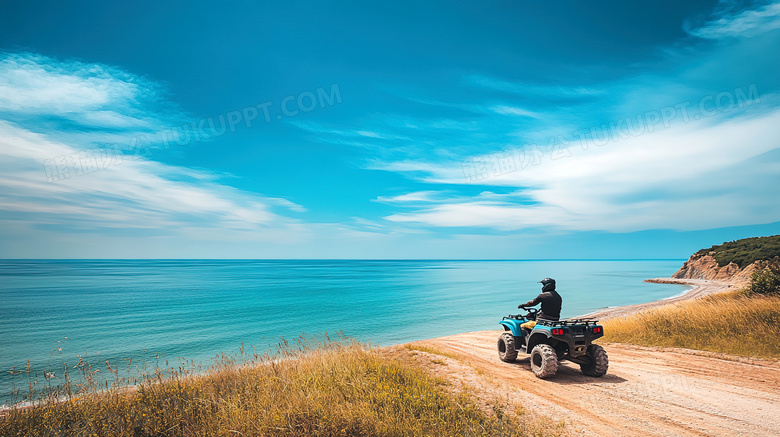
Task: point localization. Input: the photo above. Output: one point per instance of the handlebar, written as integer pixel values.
(531, 315)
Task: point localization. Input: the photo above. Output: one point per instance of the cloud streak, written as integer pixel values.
(742, 24)
(89, 95)
(135, 195)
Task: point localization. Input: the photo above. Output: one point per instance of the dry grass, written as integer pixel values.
(339, 389)
(731, 323)
(429, 349)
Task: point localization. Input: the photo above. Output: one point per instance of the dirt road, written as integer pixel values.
(647, 391)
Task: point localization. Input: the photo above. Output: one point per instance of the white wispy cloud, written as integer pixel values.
(742, 24)
(511, 110)
(416, 196)
(344, 133)
(430, 172)
(129, 194)
(527, 89)
(88, 94)
(694, 176)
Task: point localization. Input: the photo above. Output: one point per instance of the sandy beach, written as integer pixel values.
(699, 289)
(648, 391)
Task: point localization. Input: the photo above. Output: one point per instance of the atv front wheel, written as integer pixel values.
(597, 361)
(506, 347)
(544, 361)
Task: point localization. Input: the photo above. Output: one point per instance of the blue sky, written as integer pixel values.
(490, 130)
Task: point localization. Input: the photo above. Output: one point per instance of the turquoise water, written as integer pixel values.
(117, 309)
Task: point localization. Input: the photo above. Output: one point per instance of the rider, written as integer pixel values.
(550, 300)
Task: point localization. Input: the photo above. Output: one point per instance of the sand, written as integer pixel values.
(700, 288)
(646, 392)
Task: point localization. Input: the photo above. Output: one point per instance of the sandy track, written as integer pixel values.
(647, 391)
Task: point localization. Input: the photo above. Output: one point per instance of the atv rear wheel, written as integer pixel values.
(597, 361)
(544, 361)
(506, 347)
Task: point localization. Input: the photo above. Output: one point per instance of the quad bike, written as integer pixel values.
(550, 342)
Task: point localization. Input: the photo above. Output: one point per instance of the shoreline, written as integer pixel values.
(700, 288)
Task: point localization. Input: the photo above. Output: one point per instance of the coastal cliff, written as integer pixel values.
(706, 267)
(733, 262)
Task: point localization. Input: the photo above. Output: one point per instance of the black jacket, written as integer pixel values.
(551, 305)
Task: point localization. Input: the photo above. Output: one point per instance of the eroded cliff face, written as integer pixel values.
(706, 267)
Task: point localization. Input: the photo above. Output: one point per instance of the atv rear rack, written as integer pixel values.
(568, 322)
(587, 321)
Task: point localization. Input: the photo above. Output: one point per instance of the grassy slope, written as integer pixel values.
(332, 391)
(731, 323)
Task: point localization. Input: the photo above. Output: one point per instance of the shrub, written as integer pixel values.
(765, 281)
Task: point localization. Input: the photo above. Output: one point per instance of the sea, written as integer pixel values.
(57, 313)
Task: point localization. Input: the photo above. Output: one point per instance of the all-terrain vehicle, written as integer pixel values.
(550, 342)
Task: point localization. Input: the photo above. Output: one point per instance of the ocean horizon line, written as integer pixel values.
(343, 259)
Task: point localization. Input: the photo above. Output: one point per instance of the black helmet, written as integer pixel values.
(548, 284)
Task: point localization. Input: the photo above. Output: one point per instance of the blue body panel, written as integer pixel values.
(513, 325)
(544, 328)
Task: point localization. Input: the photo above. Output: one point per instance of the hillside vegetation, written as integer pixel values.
(746, 251)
